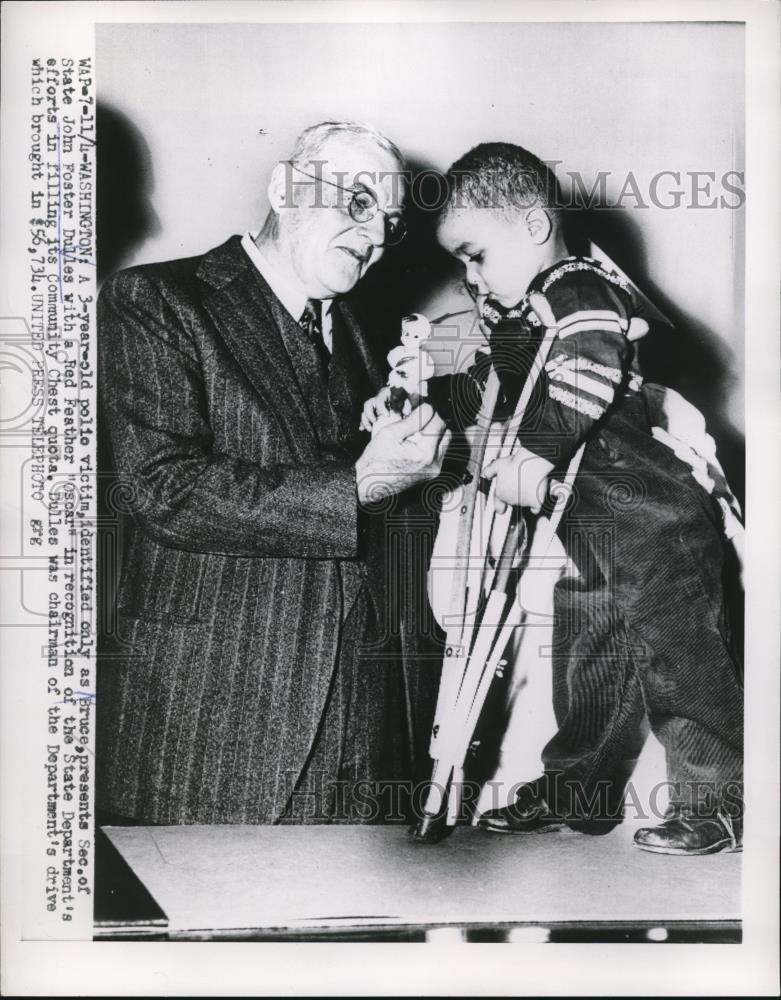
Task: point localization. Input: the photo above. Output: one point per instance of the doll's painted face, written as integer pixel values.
(415, 330)
(501, 255)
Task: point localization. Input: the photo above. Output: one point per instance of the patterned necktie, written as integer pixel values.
(311, 324)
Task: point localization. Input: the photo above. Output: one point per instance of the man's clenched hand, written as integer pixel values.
(401, 455)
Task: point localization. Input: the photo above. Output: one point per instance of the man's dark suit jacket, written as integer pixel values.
(246, 550)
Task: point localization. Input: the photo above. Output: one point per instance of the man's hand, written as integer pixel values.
(375, 408)
(401, 455)
(521, 480)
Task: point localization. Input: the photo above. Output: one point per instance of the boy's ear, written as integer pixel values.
(539, 224)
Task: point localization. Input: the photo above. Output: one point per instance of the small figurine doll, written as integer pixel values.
(411, 367)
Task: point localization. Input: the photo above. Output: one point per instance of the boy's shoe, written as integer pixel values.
(685, 833)
(530, 813)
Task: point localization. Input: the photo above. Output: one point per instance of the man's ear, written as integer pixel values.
(280, 188)
(539, 224)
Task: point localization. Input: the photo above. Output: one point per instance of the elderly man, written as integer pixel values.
(248, 682)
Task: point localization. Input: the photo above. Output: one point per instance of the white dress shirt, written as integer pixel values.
(287, 289)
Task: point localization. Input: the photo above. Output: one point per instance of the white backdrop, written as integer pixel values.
(217, 105)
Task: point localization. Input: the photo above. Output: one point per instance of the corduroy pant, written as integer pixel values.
(645, 631)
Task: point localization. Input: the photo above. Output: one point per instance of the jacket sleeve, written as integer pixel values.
(587, 365)
(187, 494)
(456, 398)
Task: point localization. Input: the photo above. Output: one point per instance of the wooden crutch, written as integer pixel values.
(468, 647)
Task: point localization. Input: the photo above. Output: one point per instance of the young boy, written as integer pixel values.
(643, 629)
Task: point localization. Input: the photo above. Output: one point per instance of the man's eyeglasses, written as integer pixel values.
(362, 207)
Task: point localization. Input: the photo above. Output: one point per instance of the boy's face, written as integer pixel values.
(501, 256)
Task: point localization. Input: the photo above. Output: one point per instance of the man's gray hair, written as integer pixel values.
(311, 141)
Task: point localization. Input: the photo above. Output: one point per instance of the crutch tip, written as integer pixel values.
(430, 830)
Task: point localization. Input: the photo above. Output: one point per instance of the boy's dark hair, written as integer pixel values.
(502, 177)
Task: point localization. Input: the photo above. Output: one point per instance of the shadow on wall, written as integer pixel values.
(125, 216)
(124, 220)
(409, 277)
(690, 357)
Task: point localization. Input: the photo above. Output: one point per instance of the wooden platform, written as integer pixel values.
(234, 881)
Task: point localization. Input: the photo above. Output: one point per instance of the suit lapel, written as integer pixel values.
(242, 307)
(267, 346)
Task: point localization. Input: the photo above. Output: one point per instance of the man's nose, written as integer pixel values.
(374, 229)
